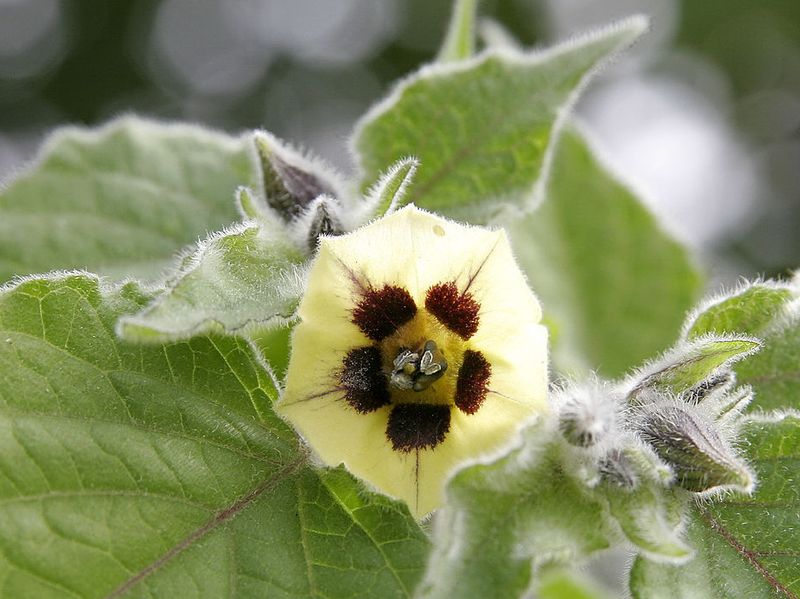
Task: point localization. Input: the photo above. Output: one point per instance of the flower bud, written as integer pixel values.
(692, 369)
(291, 181)
(616, 467)
(319, 219)
(694, 448)
(587, 413)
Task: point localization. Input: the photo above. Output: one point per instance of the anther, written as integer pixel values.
(417, 370)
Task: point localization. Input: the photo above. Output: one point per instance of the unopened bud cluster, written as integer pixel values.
(672, 414)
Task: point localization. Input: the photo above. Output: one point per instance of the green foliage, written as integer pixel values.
(541, 504)
(474, 160)
(504, 519)
(773, 373)
(564, 584)
(763, 309)
(162, 470)
(750, 310)
(388, 193)
(689, 365)
(652, 520)
(746, 546)
(459, 43)
(245, 278)
(120, 201)
(616, 286)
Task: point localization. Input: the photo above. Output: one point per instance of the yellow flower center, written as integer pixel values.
(413, 336)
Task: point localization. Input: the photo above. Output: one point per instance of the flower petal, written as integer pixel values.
(365, 305)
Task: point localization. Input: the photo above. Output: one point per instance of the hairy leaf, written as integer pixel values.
(388, 192)
(482, 129)
(121, 200)
(745, 546)
(245, 278)
(774, 373)
(765, 310)
(687, 365)
(162, 470)
(750, 310)
(503, 520)
(650, 517)
(565, 584)
(615, 286)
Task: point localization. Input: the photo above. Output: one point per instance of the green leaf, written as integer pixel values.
(746, 546)
(162, 471)
(121, 200)
(459, 42)
(564, 584)
(688, 365)
(247, 204)
(774, 374)
(614, 284)
(640, 514)
(651, 516)
(763, 309)
(387, 194)
(274, 346)
(237, 281)
(750, 310)
(503, 520)
(496, 117)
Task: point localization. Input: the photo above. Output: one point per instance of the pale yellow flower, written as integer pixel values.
(418, 349)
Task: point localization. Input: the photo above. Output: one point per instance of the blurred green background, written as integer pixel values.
(703, 116)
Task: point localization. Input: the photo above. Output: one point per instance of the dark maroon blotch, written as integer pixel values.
(472, 382)
(382, 311)
(417, 426)
(455, 310)
(362, 379)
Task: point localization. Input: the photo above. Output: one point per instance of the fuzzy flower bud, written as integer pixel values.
(695, 449)
(304, 193)
(419, 349)
(588, 414)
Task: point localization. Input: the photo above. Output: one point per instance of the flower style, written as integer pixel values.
(419, 348)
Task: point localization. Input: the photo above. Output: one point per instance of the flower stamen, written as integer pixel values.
(416, 371)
